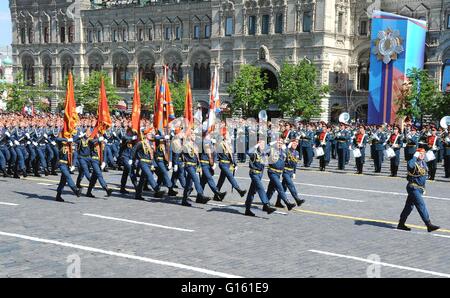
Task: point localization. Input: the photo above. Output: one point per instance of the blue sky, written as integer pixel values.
(5, 23)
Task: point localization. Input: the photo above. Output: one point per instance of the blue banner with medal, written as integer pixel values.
(397, 45)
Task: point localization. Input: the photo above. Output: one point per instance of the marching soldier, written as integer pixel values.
(417, 176)
(65, 160)
(307, 138)
(412, 141)
(84, 157)
(96, 147)
(177, 158)
(323, 139)
(359, 142)
(128, 138)
(40, 145)
(256, 166)
(227, 165)
(191, 166)
(396, 143)
(163, 163)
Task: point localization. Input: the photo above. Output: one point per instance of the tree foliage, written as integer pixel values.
(87, 93)
(247, 90)
(422, 97)
(299, 93)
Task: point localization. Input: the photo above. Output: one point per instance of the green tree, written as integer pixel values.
(147, 92)
(87, 93)
(299, 94)
(178, 93)
(247, 90)
(422, 97)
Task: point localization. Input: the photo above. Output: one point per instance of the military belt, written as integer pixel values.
(146, 160)
(95, 157)
(191, 163)
(255, 171)
(342, 141)
(415, 185)
(63, 161)
(204, 161)
(288, 169)
(160, 158)
(224, 161)
(275, 170)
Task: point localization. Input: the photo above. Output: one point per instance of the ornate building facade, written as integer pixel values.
(128, 38)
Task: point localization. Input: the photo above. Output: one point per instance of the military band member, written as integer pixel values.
(323, 140)
(359, 142)
(342, 138)
(396, 143)
(378, 140)
(256, 165)
(417, 176)
(307, 139)
(433, 143)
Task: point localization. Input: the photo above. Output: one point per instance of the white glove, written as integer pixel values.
(213, 141)
(417, 154)
(290, 145)
(82, 134)
(70, 140)
(28, 143)
(175, 168)
(45, 136)
(235, 168)
(16, 143)
(106, 141)
(293, 176)
(214, 166)
(136, 162)
(134, 138)
(35, 144)
(72, 168)
(167, 137)
(53, 143)
(27, 135)
(7, 133)
(10, 143)
(152, 168)
(103, 166)
(114, 134)
(130, 162)
(101, 139)
(170, 166)
(283, 147)
(273, 143)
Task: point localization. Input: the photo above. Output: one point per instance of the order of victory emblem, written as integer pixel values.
(388, 45)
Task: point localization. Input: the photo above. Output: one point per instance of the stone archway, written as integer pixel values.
(272, 81)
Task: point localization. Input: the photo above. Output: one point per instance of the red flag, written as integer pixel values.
(188, 113)
(156, 104)
(70, 115)
(136, 110)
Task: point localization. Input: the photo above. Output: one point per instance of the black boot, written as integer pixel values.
(401, 226)
(299, 201)
(89, 194)
(58, 198)
(108, 192)
(241, 192)
(216, 198)
(269, 209)
(46, 173)
(185, 202)
(124, 191)
(201, 199)
(248, 212)
(278, 204)
(221, 195)
(78, 192)
(431, 227)
(172, 193)
(5, 174)
(159, 193)
(290, 206)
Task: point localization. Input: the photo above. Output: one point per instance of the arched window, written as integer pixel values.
(120, 70)
(363, 71)
(28, 69)
(95, 62)
(47, 70)
(67, 63)
(201, 70)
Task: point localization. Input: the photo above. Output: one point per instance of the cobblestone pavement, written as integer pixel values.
(346, 228)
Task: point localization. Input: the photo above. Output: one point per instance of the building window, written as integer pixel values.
(265, 24)
(71, 34)
(340, 21)
(363, 28)
(279, 23)
(228, 26)
(90, 36)
(30, 35)
(168, 33)
(150, 34)
(363, 77)
(62, 34)
(46, 34)
(121, 76)
(178, 33)
(228, 77)
(196, 32)
(207, 31)
(22, 35)
(124, 35)
(99, 36)
(448, 21)
(140, 34)
(307, 20)
(47, 75)
(114, 36)
(251, 25)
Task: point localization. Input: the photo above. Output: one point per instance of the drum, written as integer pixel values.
(429, 156)
(318, 151)
(356, 153)
(389, 153)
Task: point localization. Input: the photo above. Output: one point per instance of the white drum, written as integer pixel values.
(318, 151)
(429, 156)
(356, 153)
(389, 153)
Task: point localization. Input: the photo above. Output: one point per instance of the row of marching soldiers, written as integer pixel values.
(152, 160)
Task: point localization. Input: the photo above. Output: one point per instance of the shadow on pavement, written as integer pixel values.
(44, 197)
(376, 224)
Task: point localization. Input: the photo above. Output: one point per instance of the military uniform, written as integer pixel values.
(396, 143)
(84, 158)
(207, 163)
(65, 159)
(307, 138)
(127, 142)
(177, 161)
(446, 144)
(378, 141)
(161, 162)
(96, 148)
(227, 167)
(412, 142)
(144, 155)
(359, 142)
(342, 138)
(433, 143)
